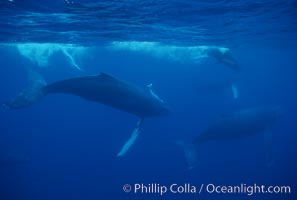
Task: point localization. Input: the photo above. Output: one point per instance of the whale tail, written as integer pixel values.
(190, 153)
(29, 95)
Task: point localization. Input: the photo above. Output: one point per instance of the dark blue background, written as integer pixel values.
(71, 144)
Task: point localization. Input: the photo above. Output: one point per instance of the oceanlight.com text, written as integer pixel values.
(247, 189)
(188, 188)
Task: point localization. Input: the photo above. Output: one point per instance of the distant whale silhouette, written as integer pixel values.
(235, 125)
(102, 88)
(179, 53)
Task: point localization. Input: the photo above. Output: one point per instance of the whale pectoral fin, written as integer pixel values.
(269, 158)
(234, 91)
(150, 89)
(190, 153)
(71, 59)
(132, 139)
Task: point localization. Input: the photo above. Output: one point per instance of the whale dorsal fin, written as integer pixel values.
(106, 76)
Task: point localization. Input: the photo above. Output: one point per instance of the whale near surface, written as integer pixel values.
(192, 54)
(102, 88)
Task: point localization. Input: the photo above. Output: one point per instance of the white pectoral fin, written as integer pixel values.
(234, 91)
(132, 139)
(150, 88)
(190, 153)
(129, 142)
(268, 137)
(71, 59)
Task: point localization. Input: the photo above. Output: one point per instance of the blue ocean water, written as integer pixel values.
(64, 147)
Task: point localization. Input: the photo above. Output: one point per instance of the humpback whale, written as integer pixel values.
(103, 88)
(180, 53)
(235, 125)
(223, 55)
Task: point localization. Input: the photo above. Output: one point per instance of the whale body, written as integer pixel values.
(233, 126)
(239, 124)
(102, 88)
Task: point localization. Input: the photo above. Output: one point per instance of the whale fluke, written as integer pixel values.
(29, 95)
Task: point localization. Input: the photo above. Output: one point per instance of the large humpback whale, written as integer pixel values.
(235, 125)
(102, 88)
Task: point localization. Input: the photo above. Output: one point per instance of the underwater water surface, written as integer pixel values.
(225, 70)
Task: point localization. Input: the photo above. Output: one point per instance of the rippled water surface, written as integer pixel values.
(174, 21)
